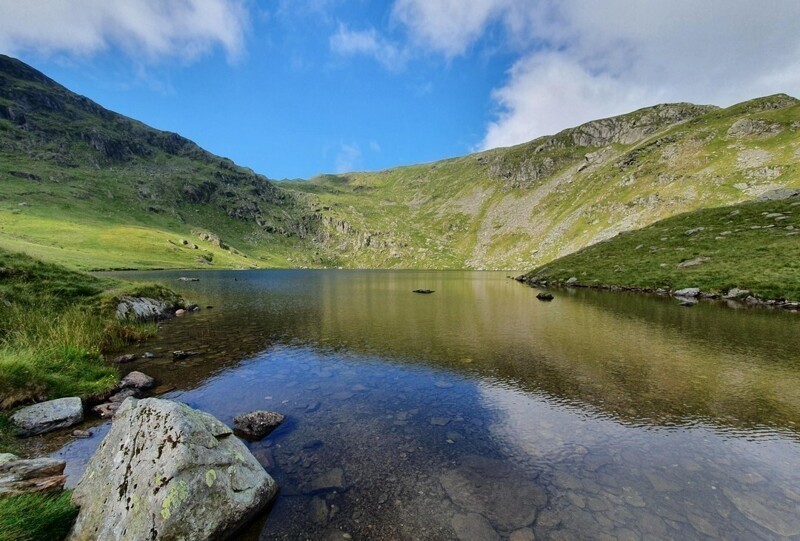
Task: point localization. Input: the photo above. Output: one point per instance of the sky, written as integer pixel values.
(295, 88)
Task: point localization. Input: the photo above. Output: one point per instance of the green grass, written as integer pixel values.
(33, 517)
(740, 246)
(55, 325)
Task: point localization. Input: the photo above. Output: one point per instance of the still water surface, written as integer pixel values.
(478, 412)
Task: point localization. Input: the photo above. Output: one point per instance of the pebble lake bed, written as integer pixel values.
(479, 413)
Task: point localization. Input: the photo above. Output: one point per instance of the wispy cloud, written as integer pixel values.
(146, 30)
(347, 42)
(348, 158)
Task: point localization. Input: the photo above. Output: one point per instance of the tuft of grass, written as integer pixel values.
(55, 325)
(753, 246)
(35, 517)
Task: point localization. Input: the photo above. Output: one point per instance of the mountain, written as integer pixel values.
(88, 187)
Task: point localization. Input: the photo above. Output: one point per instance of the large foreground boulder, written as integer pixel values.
(167, 471)
(48, 416)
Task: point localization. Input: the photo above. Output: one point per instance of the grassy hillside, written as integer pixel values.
(753, 246)
(85, 186)
(526, 205)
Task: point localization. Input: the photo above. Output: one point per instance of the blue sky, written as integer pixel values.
(296, 88)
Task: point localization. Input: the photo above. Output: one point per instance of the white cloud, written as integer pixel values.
(146, 30)
(348, 42)
(348, 158)
(584, 59)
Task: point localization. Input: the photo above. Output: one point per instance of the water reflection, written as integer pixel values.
(480, 409)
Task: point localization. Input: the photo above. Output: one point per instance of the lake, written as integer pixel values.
(478, 412)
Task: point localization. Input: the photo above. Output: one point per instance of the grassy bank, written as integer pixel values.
(55, 325)
(34, 517)
(753, 246)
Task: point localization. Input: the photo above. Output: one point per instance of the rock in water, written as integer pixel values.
(167, 471)
(423, 291)
(136, 380)
(256, 424)
(544, 296)
(48, 416)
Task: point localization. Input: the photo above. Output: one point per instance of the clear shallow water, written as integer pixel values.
(479, 408)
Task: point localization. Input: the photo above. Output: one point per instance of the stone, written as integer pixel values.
(141, 309)
(82, 434)
(167, 471)
(256, 424)
(694, 231)
(148, 355)
(123, 394)
(473, 527)
(423, 291)
(48, 416)
(136, 380)
(440, 421)
(161, 389)
(784, 525)
(107, 410)
(188, 279)
(523, 534)
(735, 293)
(38, 475)
(124, 358)
(180, 354)
(696, 262)
(7, 457)
(687, 292)
(180, 312)
(571, 282)
(494, 489)
(544, 296)
(319, 510)
(330, 480)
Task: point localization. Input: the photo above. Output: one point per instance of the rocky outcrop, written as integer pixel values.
(48, 416)
(142, 309)
(167, 471)
(39, 475)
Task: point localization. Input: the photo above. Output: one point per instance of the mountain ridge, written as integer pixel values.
(88, 187)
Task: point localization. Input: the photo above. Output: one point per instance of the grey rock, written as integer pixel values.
(440, 421)
(34, 475)
(107, 410)
(7, 457)
(571, 282)
(696, 262)
(123, 394)
(167, 471)
(784, 525)
(473, 527)
(523, 534)
(137, 380)
(319, 510)
(141, 309)
(256, 424)
(48, 416)
(83, 434)
(694, 231)
(544, 296)
(330, 480)
(124, 359)
(735, 293)
(494, 489)
(687, 292)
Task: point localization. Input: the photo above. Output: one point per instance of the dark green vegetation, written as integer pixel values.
(33, 517)
(753, 246)
(55, 324)
(85, 186)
